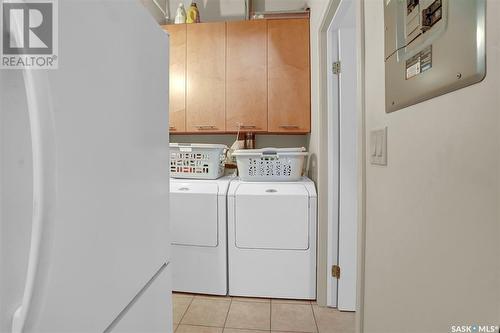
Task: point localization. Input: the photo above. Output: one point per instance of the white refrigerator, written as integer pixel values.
(84, 178)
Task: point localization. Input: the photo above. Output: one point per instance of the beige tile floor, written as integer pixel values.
(213, 314)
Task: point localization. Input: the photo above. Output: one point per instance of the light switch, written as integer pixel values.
(373, 147)
(378, 146)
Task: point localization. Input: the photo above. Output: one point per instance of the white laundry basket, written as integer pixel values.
(197, 160)
(270, 164)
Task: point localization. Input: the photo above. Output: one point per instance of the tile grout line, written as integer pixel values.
(199, 325)
(200, 297)
(227, 314)
(253, 329)
(312, 310)
(185, 312)
(248, 329)
(314, 316)
(270, 315)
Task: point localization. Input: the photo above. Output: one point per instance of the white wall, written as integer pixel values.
(318, 8)
(261, 141)
(277, 5)
(154, 10)
(213, 10)
(432, 215)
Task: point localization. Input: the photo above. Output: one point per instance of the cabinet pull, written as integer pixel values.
(289, 126)
(205, 127)
(171, 128)
(248, 126)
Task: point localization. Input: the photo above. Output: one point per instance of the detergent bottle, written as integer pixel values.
(193, 14)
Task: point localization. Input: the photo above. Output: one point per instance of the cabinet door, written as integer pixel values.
(289, 108)
(206, 71)
(177, 89)
(246, 77)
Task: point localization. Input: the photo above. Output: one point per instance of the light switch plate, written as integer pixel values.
(378, 146)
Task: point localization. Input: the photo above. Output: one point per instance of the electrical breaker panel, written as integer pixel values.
(432, 47)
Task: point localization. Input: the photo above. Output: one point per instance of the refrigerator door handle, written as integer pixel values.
(44, 194)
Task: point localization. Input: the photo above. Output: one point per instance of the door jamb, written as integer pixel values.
(323, 134)
(333, 165)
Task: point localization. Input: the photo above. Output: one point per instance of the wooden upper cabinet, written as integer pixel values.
(246, 76)
(289, 105)
(249, 74)
(206, 74)
(177, 89)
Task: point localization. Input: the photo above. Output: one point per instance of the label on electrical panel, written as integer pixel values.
(419, 63)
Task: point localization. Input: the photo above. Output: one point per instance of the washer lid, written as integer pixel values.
(272, 216)
(222, 184)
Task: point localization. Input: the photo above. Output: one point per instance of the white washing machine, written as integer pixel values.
(272, 239)
(198, 220)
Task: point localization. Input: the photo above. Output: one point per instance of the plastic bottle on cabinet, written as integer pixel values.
(193, 14)
(180, 16)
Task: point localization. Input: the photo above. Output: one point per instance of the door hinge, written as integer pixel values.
(336, 67)
(336, 271)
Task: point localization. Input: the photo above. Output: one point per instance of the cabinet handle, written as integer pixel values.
(205, 127)
(289, 126)
(171, 128)
(248, 126)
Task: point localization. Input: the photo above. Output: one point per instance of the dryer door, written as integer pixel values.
(272, 216)
(194, 213)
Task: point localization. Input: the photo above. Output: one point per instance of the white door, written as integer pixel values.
(343, 172)
(84, 182)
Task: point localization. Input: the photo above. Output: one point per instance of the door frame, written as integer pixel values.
(341, 142)
(342, 145)
(324, 157)
(333, 166)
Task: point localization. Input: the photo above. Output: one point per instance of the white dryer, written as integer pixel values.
(198, 220)
(272, 239)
